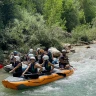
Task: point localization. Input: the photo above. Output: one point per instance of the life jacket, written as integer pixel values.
(14, 64)
(41, 59)
(32, 69)
(64, 59)
(62, 65)
(37, 56)
(50, 56)
(46, 65)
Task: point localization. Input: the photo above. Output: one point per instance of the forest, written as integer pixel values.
(28, 24)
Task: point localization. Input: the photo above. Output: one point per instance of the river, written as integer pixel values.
(81, 83)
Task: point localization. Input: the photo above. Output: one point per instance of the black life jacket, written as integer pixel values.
(62, 65)
(32, 69)
(41, 59)
(65, 59)
(47, 67)
(50, 56)
(19, 69)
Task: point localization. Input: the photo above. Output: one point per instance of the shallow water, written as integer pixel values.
(81, 83)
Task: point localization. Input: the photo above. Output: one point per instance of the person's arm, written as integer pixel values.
(26, 69)
(42, 63)
(15, 68)
(52, 66)
(61, 67)
(39, 66)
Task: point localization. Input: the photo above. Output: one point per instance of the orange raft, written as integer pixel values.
(25, 83)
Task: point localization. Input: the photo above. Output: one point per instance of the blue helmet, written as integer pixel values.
(15, 52)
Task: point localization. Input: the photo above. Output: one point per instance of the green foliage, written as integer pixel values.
(28, 24)
(39, 5)
(70, 14)
(1, 56)
(89, 8)
(52, 12)
(84, 33)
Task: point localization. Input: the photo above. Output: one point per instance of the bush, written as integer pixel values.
(1, 56)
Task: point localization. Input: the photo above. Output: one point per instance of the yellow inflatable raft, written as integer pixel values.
(21, 83)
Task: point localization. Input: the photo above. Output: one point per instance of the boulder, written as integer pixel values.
(55, 52)
(67, 46)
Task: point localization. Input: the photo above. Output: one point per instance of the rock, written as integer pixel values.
(67, 46)
(94, 41)
(55, 52)
(72, 50)
(88, 46)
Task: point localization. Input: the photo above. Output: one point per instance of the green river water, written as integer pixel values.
(81, 83)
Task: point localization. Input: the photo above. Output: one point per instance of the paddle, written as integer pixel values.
(61, 74)
(1, 66)
(32, 76)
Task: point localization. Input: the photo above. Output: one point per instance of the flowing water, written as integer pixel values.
(81, 83)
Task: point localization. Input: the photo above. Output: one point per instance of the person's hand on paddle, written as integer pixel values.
(11, 71)
(22, 75)
(51, 71)
(61, 68)
(67, 66)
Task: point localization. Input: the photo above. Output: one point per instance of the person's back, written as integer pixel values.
(50, 57)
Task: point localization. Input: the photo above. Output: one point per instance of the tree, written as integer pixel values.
(52, 11)
(89, 8)
(70, 14)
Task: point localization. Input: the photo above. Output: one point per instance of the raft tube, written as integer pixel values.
(1, 66)
(21, 83)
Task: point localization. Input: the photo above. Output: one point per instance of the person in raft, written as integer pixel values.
(30, 54)
(47, 65)
(50, 55)
(40, 57)
(17, 67)
(64, 61)
(37, 54)
(32, 69)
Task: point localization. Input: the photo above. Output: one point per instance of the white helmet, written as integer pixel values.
(46, 57)
(17, 58)
(49, 50)
(31, 50)
(64, 50)
(33, 58)
(38, 49)
(30, 55)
